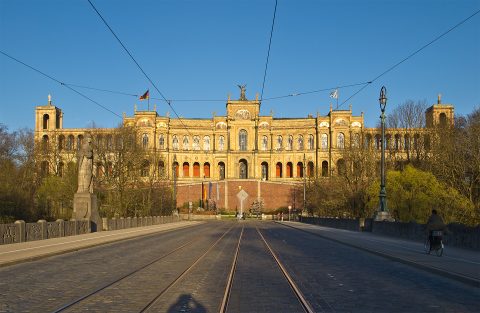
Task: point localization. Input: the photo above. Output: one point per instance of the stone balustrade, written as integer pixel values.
(21, 231)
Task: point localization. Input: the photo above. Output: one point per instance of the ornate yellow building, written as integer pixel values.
(241, 144)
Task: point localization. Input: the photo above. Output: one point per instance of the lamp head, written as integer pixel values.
(383, 98)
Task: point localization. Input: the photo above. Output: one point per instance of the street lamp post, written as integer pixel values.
(304, 183)
(382, 213)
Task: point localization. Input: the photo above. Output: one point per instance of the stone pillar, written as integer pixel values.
(43, 229)
(85, 207)
(105, 223)
(20, 229)
(61, 227)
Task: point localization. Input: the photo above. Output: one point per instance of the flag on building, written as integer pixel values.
(146, 95)
(334, 94)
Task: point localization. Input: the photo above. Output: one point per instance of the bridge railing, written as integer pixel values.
(458, 235)
(19, 231)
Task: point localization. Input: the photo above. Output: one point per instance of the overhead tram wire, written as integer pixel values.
(268, 53)
(222, 100)
(316, 91)
(59, 82)
(412, 54)
(138, 65)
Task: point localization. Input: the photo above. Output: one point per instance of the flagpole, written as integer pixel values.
(337, 97)
(148, 103)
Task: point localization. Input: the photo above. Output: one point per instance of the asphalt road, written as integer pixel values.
(333, 277)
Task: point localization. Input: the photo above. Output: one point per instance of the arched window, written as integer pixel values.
(368, 141)
(144, 171)
(290, 142)
(46, 121)
(443, 119)
(416, 139)
(196, 143)
(161, 142)
(397, 142)
(79, 142)
(145, 141)
(221, 170)
(324, 168)
(388, 141)
(279, 142)
(299, 169)
(278, 170)
(264, 143)
(341, 167)
(186, 144)
(221, 143)
(289, 170)
(378, 142)
(310, 169)
(60, 169)
(311, 142)
(161, 169)
(356, 140)
(264, 171)
(300, 142)
(206, 143)
(61, 142)
(70, 142)
(45, 142)
(242, 140)
(175, 142)
(243, 169)
(406, 141)
(196, 169)
(340, 141)
(324, 139)
(186, 169)
(206, 169)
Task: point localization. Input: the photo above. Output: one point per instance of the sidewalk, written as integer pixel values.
(25, 251)
(456, 263)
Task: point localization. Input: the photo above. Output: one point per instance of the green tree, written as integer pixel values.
(413, 193)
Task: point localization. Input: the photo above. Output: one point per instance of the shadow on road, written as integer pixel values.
(186, 303)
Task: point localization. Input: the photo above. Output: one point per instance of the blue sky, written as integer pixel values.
(203, 49)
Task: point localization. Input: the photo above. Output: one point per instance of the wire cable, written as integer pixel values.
(412, 54)
(268, 53)
(138, 65)
(59, 82)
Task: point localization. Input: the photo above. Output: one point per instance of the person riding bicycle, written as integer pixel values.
(435, 222)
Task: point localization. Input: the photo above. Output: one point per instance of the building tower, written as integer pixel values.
(439, 114)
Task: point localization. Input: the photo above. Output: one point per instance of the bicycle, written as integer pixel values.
(434, 243)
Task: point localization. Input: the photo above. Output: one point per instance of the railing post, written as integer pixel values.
(21, 231)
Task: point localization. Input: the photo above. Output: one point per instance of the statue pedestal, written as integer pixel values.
(383, 217)
(85, 207)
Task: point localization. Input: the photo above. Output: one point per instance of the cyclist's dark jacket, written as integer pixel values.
(435, 222)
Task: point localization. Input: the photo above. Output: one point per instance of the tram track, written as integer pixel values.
(78, 301)
(224, 307)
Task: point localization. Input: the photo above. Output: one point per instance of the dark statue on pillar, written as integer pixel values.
(84, 201)
(243, 89)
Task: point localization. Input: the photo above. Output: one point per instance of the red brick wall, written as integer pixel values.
(275, 195)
